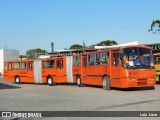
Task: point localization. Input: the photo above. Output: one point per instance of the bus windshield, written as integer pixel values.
(137, 58)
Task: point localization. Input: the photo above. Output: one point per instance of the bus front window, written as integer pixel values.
(137, 58)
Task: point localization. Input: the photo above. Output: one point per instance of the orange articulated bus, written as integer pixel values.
(119, 67)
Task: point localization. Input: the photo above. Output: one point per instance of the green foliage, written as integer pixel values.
(31, 54)
(22, 56)
(155, 22)
(102, 43)
(106, 43)
(155, 27)
(76, 46)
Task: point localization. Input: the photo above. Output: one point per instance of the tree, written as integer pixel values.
(106, 43)
(155, 27)
(31, 54)
(22, 56)
(76, 46)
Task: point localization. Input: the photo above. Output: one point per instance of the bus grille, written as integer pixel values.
(141, 82)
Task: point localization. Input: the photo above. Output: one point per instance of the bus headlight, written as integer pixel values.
(151, 79)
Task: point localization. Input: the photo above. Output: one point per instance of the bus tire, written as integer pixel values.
(17, 80)
(50, 81)
(79, 82)
(106, 83)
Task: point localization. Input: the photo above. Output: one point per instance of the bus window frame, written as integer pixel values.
(105, 61)
(115, 58)
(98, 58)
(50, 66)
(77, 61)
(43, 64)
(90, 61)
(30, 66)
(23, 67)
(60, 64)
(10, 67)
(14, 64)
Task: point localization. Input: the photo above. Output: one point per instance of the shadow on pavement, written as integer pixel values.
(5, 86)
(124, 89)
(135, 89)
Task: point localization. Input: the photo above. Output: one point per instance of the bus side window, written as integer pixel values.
(30, 66)
(77, 61)
(91, 59)
(74, 61)
(50, 64)
(43, 64)
(98, 59)
(156, 60)
(105, 58)
(59, 64)
(16, 66)
(23, 65)
(10, 66)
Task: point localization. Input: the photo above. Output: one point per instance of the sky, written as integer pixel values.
(30, 24)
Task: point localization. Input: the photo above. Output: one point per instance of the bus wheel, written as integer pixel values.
(50, 81)
(17, 80)
(106, 83)
(79, 82)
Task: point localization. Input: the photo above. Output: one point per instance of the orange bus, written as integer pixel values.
(120, 67)
(48, 70)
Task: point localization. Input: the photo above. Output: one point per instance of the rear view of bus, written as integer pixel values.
(138, 68)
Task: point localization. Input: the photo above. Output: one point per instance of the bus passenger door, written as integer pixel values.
(23, 72)
(84, 66)
(115, 72)
(60, 71)
(30, 72)
(8, 73)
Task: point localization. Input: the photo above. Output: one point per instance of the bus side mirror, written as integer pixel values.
(121, 56)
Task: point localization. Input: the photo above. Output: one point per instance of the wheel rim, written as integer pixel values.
(78, 81)
(17, 80)
(49, 81)
(104, 83)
